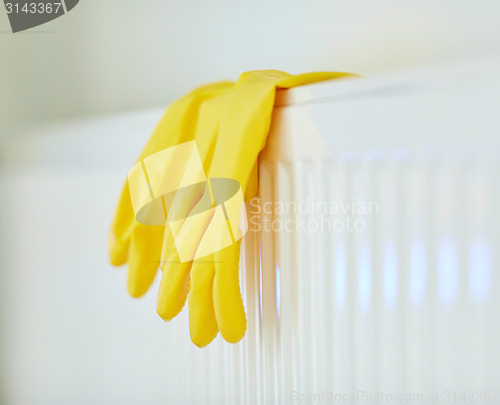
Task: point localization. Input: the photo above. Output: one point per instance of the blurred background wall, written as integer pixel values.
(69, 333)
(110, 56)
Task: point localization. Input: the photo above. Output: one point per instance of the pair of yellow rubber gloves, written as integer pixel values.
(229, 123)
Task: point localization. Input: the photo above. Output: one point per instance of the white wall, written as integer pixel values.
(123, 55)
(69, 334)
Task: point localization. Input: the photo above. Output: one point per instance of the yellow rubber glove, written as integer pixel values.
(229, 123)
(138, 244)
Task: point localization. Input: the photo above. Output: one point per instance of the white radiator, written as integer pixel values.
(374, 277)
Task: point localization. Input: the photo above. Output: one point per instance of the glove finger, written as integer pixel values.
(173, 290)
(175, 278)
(174, 282)
(228, 305)
(202, 322)
(144, 257)
(121, 229)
